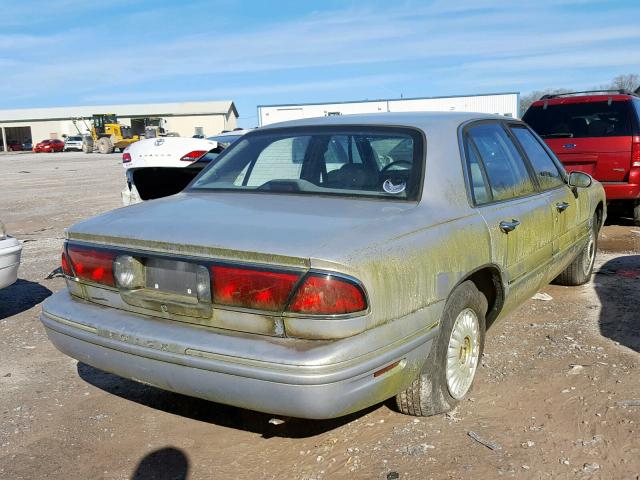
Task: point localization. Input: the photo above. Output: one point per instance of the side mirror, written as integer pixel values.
(580, 180)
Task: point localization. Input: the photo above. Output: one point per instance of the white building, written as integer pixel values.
(187, 119)
(499, 103)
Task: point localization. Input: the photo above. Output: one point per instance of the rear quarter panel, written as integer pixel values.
(418, 270)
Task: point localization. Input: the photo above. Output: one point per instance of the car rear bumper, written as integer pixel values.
(314, 379)
(10, 250)
(621, 190)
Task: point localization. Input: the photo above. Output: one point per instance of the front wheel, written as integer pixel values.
(579, 271)
(450, 368)
(105, 145)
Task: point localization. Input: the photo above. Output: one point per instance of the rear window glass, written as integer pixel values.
(382, 162)
(581, 120)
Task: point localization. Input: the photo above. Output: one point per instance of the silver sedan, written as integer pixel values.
(324, 265)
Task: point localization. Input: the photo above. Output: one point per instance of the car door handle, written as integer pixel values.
(562, 206)
(507, 227)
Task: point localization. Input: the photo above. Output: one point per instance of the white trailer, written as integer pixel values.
(498, 103)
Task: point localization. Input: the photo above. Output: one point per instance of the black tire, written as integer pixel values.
(429, 393)
(105, 145)
(636, 214)
(579, 271)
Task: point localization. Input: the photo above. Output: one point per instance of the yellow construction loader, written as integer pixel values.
(107, 134)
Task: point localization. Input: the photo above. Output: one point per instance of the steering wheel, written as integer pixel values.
(392, 164)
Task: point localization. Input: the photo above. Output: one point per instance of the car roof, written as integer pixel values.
(423, 120)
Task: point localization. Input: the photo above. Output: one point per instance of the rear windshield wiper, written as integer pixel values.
(558, 135)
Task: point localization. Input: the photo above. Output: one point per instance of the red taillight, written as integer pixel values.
(635, 152)
(126, 157)
(193, 156)
(327, 295)
(66, 268)
(91, 264)
(242, 287)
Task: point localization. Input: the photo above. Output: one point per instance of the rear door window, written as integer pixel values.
(506, 171)
(546, 170)
(582, 120)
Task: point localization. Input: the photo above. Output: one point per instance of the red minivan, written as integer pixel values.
(597, 133)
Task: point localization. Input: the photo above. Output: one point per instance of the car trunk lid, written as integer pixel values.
(280, 233)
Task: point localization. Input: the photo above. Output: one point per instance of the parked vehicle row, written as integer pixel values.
(324, 265)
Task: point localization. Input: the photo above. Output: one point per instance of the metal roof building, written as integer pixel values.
(498, 103)
(32, 125)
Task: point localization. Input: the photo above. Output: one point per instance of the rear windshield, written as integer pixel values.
(580, 120)
(381, 162)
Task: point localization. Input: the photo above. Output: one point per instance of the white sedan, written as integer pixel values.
(10, 250)
(158, 167)
(145, 163)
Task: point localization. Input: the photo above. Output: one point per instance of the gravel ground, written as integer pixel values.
(556, 396)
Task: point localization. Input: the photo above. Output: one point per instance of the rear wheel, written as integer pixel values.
(87, 147)
(579, 271)
(105, 145)
(450, 368)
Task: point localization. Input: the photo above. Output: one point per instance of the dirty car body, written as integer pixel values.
(311, 271)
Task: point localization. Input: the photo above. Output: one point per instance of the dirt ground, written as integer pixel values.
(555, 393)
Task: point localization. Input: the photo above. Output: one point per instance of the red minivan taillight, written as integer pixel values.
(126, 157)
(258, 289)
(193, 156)
(91, 264)
(635, 152)
(327, 295)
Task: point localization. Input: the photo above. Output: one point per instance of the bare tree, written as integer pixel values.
(629, 81)
(529, 98)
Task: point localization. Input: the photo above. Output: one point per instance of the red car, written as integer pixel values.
(597, 133)
(15, 147)
(49, 146)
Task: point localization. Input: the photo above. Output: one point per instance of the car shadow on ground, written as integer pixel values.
(616, 216)
(210, 412)
(618, 287)
(21, 296)
(164, 464)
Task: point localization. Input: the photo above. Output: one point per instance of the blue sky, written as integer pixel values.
(79, 52)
